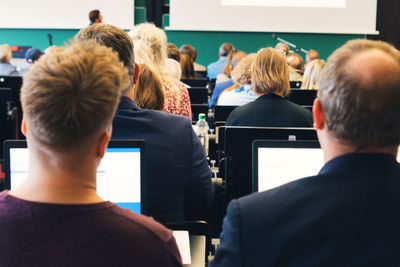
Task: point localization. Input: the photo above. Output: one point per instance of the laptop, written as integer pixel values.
(279, 162)
(120, 175)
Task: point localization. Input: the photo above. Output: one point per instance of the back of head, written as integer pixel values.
(284, 47)
(5, 53)
(312, 55)
(187, 67)
(150, 46)
(270, 72)
(71, 94)
(225, 48)
(232, 60)
(93, 15)
(32, 54)
(173, 52)
(148, 92)
(295, 61)
(312, 74)
(243, 71)
(359, 93)
(189, 50)
(114, 38)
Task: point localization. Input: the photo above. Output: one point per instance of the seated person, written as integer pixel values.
(56, 218)
(241, 75)
(173, 52)
(177, 171)
(270, 80)
(148, 92)
(219, 87)
(31, 55)
(216, 68)
(312, 74)
(6, 68)
(151, 49)
(347, 215)
(188, 49)
(233, 58)
(295, 62)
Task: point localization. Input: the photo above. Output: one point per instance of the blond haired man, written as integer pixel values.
(347, 215)
(69, 98)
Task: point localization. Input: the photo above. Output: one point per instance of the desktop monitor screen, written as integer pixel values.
(278, 162)
(120, 175)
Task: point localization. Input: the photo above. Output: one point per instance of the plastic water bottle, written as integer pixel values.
(202, 131)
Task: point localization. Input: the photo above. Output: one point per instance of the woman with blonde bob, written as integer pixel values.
(150, 44)
(148, 92)
(5, 66)
(270, 81)
(312, 74)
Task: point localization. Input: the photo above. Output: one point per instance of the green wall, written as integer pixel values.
(207, 43)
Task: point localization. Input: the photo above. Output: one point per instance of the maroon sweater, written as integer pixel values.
(102, 234)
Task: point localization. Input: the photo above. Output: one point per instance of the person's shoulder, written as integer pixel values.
(139, 223)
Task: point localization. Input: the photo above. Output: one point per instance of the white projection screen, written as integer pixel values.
(64, 14)
(303, 16)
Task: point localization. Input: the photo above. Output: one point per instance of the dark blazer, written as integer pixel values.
(270, 110)
(347, 215)
(177, 169)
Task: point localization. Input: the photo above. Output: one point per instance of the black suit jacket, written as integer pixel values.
(270, 110)
(177, 169)
(347, 215)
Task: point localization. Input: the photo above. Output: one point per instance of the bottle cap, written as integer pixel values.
(202, 116)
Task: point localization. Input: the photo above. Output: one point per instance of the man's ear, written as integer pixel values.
(23, 126)
(136, 74)
(318, 115)
(102, 143)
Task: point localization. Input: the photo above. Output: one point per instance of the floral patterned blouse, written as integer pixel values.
(177, 97)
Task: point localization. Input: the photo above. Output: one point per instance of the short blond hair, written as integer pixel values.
(5, 53)
(270, 72)
(244, 69)
(312, 74)
(72, 93)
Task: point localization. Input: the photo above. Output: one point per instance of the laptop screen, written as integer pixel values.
(279, 162)
(119, 175)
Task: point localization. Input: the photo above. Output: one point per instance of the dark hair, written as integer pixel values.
(225, 49)
(173, 52)
(189, 50)
(187, 67)
(93, 15)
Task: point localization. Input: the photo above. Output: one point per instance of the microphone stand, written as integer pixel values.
(297, 48)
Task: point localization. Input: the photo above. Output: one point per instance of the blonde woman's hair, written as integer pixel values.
(270, 72)
(148, 92)
(312, 74)
(150, 46)
(5, 53)
(243, 71)
(71, 93)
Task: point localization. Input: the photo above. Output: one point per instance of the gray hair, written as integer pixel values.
(150, 46)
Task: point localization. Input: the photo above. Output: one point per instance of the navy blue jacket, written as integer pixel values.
(270, 110)
(347, 215)
(178, 176)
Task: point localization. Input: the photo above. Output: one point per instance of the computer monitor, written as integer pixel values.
(120, 175)
(279, 162)
(238, 152)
